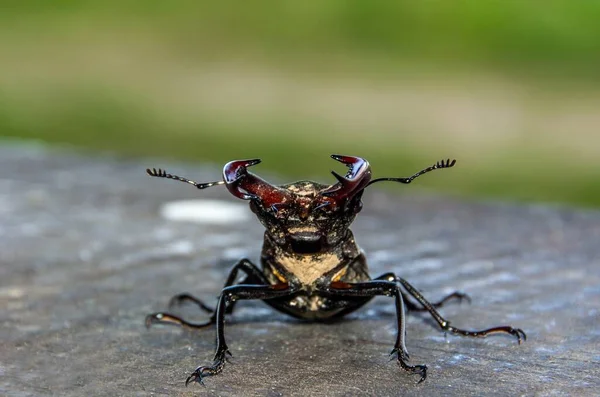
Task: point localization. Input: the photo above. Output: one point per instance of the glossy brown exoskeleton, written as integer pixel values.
(311, 266)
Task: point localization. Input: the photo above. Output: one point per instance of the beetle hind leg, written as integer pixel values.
(413, 307)
(172, 319)
(445, 324)
(180, 299)
(253, 275)
(456, 295)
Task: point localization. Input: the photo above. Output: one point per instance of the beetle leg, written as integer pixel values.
(229, 295)
(167, 318)
(413, 307)
(180, 299)
(445, 325)
(253, 276)
(458, 295)
(388, 288)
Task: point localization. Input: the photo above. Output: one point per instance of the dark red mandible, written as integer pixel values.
(247, 186)
(356, 179)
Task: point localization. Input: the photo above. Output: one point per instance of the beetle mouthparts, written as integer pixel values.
(306, 242)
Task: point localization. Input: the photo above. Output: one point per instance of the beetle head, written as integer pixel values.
(307, 217)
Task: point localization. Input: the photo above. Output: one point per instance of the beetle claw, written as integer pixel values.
(413, 369)
(519, 333)
(180, 299)
(196, 376)
(154, 318)
(204, 371)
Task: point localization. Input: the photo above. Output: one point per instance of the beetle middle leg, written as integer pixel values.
(253, 276)
(369, 289)
(229, 295)
(413, 307)
(445, 324)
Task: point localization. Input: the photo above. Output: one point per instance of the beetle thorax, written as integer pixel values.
(308, 268)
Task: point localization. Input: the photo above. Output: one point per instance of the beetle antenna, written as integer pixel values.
(440, 164)
(160, 173)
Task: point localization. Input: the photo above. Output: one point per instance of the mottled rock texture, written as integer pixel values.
(85, 254)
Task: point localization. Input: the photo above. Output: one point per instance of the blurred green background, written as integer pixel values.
(509, 88)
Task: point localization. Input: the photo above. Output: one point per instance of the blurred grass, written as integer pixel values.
(555, 36)
(92, 105)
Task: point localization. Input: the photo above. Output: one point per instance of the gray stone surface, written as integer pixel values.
(84, 255)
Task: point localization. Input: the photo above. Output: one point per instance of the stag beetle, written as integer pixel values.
(311, 266)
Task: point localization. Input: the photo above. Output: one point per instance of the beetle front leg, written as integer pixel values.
(228, 296)
(413, 307)
(373, 288)
(445, 325)
(253, 276)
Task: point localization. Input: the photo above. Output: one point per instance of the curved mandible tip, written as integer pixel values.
(235, 174)
(247, 186)
(355, 180)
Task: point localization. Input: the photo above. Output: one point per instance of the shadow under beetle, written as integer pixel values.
(311, 266)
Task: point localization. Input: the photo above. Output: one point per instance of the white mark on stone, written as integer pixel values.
(205, 211)
(28, 328)
(182, 247)
(12, 292)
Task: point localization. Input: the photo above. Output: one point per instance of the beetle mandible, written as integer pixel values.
(312, 267)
